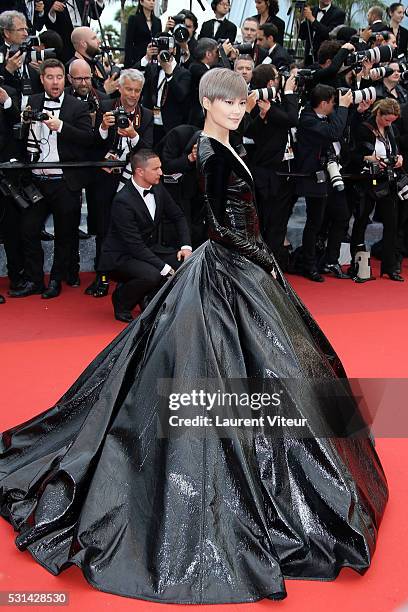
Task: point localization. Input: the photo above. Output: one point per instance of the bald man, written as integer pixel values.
(87, 47)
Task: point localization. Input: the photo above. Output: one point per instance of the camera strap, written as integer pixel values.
(386, 140)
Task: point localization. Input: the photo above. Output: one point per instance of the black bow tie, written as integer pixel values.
(219, 20)
(147, 191)
(47, 99)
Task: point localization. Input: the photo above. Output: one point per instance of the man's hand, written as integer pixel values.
(349, 47)
(128, 132)
(364, 105)
(366, 33)
(183, 254)
(192, 157)
(53, 123)
(39, 7)
(3, 95)
(251, 102)
(347, 99)
(14, 63)
(36, 65)
(227, 46)
(57, 7)
(264, 106)
(170, 24)
(290, 84)
(151, 52)
(111, 84)
(307, 14)
(400, 161)
(167, 66)
(108, 120)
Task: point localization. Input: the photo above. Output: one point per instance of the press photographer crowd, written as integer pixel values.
(81, 121)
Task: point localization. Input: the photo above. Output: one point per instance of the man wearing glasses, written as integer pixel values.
(220, 27)
(33, 11)
(15, 71)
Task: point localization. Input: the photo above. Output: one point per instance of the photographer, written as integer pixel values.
(376, 153)
(276, 54)
(185, 52)
(220, 27)
(33, 11)
(142, 26)
(330, 58)
(64, 136)
(126, 127)
(207, 57)
(249, 31)
(15, 70)
(273, 152)
(389, 86)
(167, 86)
(320, 131)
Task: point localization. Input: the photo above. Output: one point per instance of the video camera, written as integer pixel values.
(165, 44)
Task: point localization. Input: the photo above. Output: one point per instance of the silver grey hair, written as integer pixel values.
(222, 84)
(7, 19)
(132, 74)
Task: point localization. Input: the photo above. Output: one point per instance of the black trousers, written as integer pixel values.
(136, 279)
(104, 191)
(10, 215)
(338, 216)
(65, 206)
(394, 215)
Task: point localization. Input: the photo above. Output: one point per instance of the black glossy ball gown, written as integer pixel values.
(197, 518)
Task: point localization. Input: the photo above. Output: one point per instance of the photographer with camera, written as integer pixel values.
(126, 126)
(183, 27)
(15, 56)
(249, 32)
(330, 58)
(316, 26)
(167, 85)
(142, 26)
(390, 87)
(273, 152)
(376, 155)
(207, 57)
(219, 27)
(276, 54)
(319, 136)
(59, 130)
(33, 11)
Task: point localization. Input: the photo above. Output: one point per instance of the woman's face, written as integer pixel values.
(398, 14)
(147, 4)
(385, 120)
(226, 113)
(261, 6)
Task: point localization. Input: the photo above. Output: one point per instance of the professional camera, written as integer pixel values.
(333, 170)
(180, 31)
(165, 45)
(32, 55)
(376, 171)
(244, 48)
(376, 55)
(121, 117)
(29, 115)
(381, 73)
(302, 77)
(360, 95)
(266, 93)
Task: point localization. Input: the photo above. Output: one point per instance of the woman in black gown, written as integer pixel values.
(202, 515)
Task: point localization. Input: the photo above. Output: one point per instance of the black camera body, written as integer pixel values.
(180, 31)
(165, 45)
(121, 118)
(376, 171)
(29, 115)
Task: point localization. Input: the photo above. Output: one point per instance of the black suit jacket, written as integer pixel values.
(226, 30)
(133, 234)
(278, 23)
(196, 116)
(76, 136)
(9, 146)
(314, 138)
(320, 30)
(176, 94)
(14, 81)
(35, 25)
(138, 36)
(280, 57)
(379, 27)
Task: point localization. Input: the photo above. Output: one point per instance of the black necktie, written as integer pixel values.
(146, 192)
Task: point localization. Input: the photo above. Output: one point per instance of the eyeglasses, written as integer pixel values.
(18, 30)
(86, 79)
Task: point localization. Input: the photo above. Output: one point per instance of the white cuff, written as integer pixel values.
(288, 92)
(135, 140)
(104, 133)
(52, 17)
(60, 127)
(165, 270)
(187, 247)
(7, 104)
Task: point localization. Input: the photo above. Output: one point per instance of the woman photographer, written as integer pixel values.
(376, 151)
(141, 27)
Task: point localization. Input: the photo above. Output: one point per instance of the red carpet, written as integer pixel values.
(46, 344)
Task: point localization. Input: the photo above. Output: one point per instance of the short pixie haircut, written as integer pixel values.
(222, 84)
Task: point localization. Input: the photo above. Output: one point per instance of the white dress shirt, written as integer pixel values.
(321, 12)
(48, 138)
(73, 12)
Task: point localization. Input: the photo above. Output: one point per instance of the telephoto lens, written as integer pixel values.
(369, 94)
(333, 171)
(381, 72)
(266, 93)
(377, 55)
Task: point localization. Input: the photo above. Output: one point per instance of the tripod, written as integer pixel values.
(295, 11)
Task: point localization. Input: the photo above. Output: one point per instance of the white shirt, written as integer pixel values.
(48, 139)
(217, 25)
(161, 84)
(151, 207)
(321, 12)
(73, 12)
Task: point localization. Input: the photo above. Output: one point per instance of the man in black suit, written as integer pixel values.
(220, 27)
(65, 136)
(317, 25)
(375, 18)
(33, 11)
(63, 17)
(16, 72)
(166, 91)
(112, 141)
(132, 251)
(276, 54)
(207, 57)
(319, 138)
(249, 31)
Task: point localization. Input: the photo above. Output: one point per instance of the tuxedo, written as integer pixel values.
(379, 26)
(279, 57)
(35, 21)
(227, 29)
(14, 80)
(63, 23)
(138, 36)
(132, 251)
(278, 23)
(319, 30)
(61, 194)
